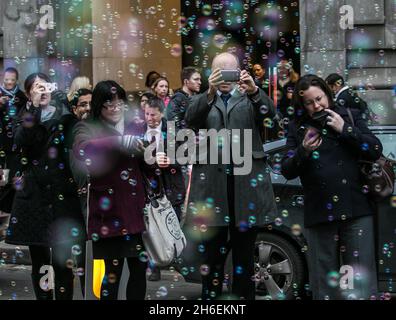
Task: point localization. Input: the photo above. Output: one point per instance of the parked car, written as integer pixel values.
(281, 247)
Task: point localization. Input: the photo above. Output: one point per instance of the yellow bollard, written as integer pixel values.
(98, 275)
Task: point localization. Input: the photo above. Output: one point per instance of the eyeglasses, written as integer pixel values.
(119, 105)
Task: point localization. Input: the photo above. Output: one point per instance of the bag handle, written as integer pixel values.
(350, 116)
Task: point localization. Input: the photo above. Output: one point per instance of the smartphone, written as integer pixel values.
(50, 87)
(230, 75)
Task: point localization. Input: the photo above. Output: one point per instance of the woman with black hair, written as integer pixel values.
(46, 214)
(325, 146)
(110, 147)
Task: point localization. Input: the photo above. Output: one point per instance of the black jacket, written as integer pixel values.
(331, 178)
(8, 153)
(177, 108)
(46, 209)
(350, 100)
(172, 177)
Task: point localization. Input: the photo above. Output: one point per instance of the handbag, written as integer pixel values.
(163, 239)
(378, 175)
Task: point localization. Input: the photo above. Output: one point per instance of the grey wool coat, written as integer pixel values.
(254, 201)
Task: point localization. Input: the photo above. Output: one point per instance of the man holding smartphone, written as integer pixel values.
(226, 206)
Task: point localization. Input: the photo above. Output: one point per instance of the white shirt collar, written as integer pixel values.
(219, 93)
(339, 92)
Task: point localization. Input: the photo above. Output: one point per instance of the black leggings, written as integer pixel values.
(63, 270)
(136, 288)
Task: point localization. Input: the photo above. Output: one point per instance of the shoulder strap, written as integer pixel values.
(350, 116)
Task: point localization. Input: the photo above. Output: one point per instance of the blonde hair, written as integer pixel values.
(77, 84)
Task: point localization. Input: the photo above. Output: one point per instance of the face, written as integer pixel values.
(153, 116)
(315, 100)
(83, 108)
(162, 88)
(10, 80)
(143, 102)
(194, 84)
(113, 111)
(226, 62)
(38, 88)
(258, 71)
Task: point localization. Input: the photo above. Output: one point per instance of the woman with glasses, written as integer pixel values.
(325, 146)
(111, 149)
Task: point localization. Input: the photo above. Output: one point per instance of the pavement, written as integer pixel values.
(15, 284)
(10, 254)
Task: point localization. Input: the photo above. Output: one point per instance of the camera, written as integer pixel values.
(50, 87)
(230, 75)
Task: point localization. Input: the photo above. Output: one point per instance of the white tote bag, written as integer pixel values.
(163, 239)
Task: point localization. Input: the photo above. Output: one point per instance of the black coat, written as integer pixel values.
(8, 114)
(331, 178)
(46, 209)
(253, 194)
(350, 100)
(177, 108)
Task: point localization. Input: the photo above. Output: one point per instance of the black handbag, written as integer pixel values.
(7, 194)
(379, 175)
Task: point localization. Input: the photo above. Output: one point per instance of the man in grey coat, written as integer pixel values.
(231, 198)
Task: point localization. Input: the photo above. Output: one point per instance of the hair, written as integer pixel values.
(187, 73)
(155, 84)
(105, 91)
(151, 77)
(77, 84)
(78, 94)
(12, 70)
(294, 76)
(156, 103)
(32, 78)
(148, 95)
(304, 84)
(334, 78)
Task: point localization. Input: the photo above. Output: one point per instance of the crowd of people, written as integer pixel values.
(76, 172)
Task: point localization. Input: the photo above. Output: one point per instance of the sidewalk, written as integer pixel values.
(10, 254)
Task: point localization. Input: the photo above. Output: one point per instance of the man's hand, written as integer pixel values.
(247, 84)
(215, 80)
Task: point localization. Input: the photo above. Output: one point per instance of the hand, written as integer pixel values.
(312, 140)
(132, 143)
(247, 83)
(4, 99)
(335, 121)
(163, 160)
(215, 80)
(38, 90)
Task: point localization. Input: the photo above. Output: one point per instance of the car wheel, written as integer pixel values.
(279, 268)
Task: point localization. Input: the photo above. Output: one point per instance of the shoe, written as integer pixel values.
(155, 275)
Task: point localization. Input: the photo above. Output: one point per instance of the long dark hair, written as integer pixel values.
(302, 85)
(106, 91)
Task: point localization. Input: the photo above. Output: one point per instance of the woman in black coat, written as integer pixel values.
(46, 213)
(324, 153)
